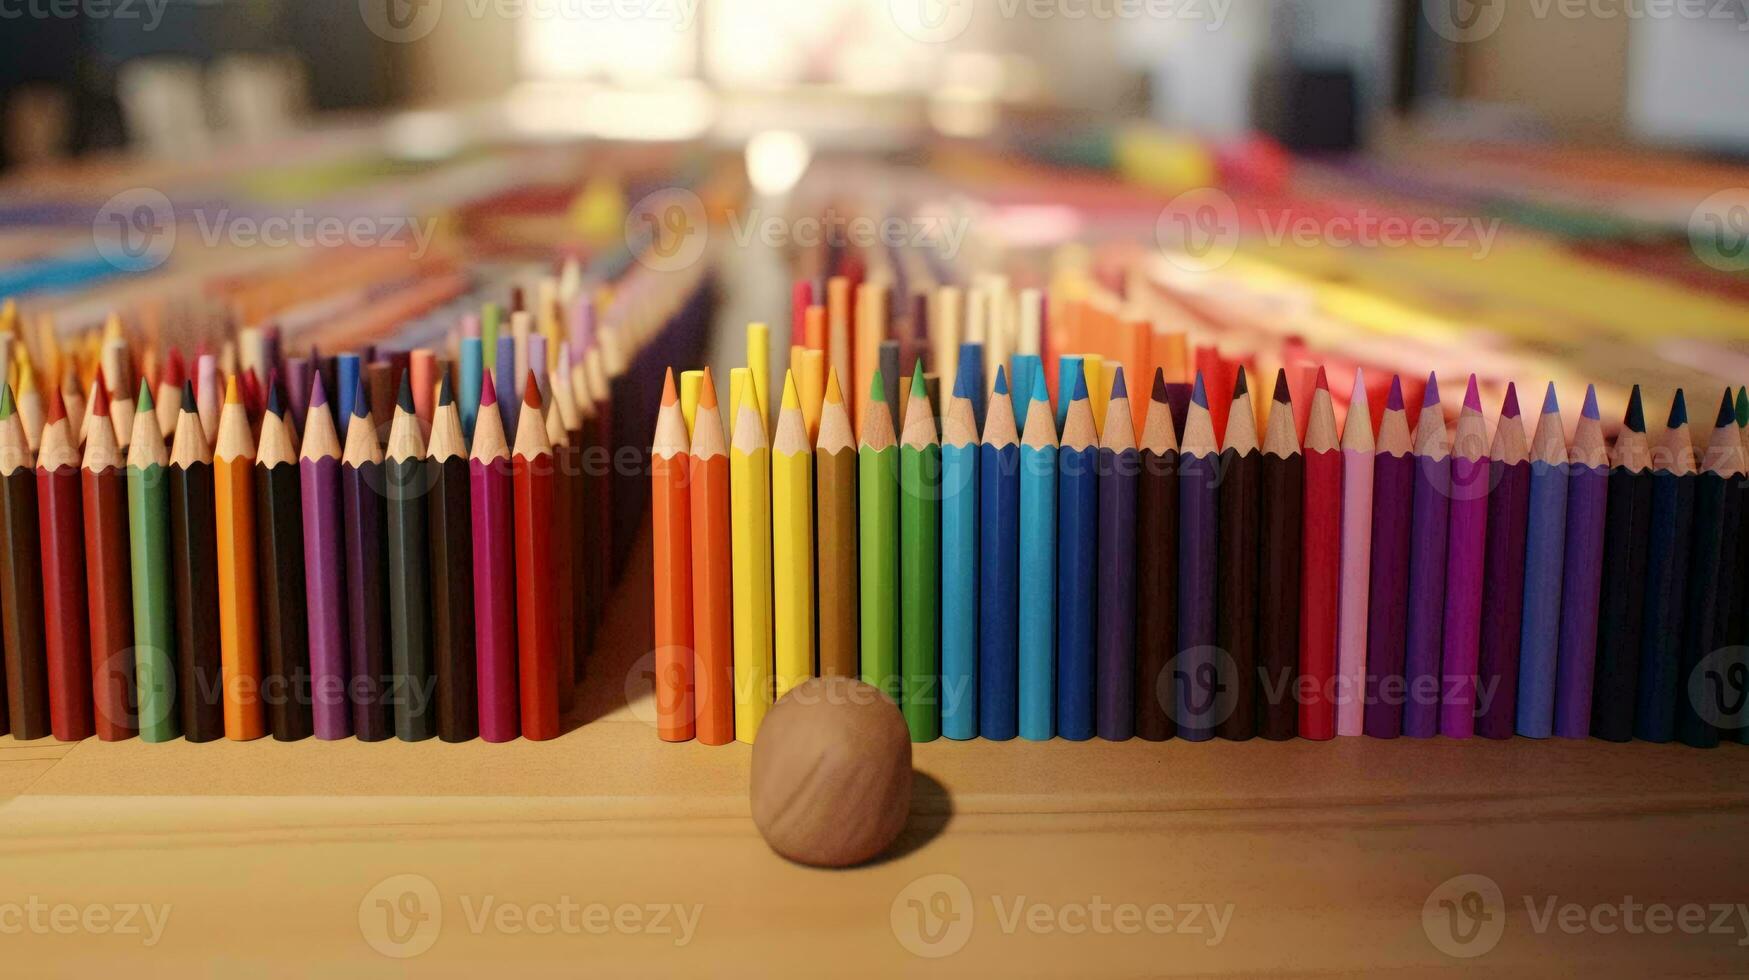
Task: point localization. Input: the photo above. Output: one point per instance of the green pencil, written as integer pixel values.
(149, 548)
(920, 560)
(878, 520)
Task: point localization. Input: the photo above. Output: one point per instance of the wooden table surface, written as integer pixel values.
(608, 852)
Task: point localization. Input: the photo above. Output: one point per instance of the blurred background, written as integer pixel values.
(175, 78)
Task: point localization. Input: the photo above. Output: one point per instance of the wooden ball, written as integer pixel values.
(832, 773)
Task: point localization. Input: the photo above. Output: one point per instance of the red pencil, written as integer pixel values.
(1322, 556)
(532, 473)
(60, 516)
(109, 574)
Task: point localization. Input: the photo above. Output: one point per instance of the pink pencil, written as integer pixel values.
(1356, 568)
(494, 574)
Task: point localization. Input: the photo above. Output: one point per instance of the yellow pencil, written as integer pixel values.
(690, 383)
(792, 541)
(811, 386)
(1095, 370)
(750, 544)
(759, 363)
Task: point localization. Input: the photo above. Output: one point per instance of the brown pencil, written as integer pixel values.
(452, 568)
(21, 592)
(1282, 491)
(835, 463)
(108, 575)
(562, 573)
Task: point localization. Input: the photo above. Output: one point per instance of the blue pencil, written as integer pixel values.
(1069, 367)
(998, 563)
(1544, 554)
(1077, 543)
(1028, 368)
(972, 355)
(1195, 676)
(1038, 570)
(1119, 474)
(346, 368)
(467, 389)
(959, 558)
(506, 382)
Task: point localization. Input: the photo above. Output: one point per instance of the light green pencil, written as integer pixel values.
(878, 521)
(920, 561)
(149, 548)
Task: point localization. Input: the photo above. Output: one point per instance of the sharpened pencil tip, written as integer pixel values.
(1743, 408)
(1241, 386)
(790, 400)
(1323, 382)
(918, 385)
(232, 395)
(488, 390)
(54, 408)
(274, 407)
(531, 391)
(1001, 380)
(404, 399)
(1281, 396)
(1509, 409)
(707, 391)
(668, 395)
(1591, 411)
(1551, 404)
(99, 397)
(1394, 402)
(877, 392)
(1080, 393)
(1678, 410)
(1159, 392)
(1473, 395)
(445, 392)
(143, 401)
(1198, 393)
(6, 406)
(1636, 417)
(318, 390)
(965, 380)
(1727, 411)
(361, 400)
(1041, 392)
(1118, 388)
(1430, 398)
(188, 401)
(834, 394)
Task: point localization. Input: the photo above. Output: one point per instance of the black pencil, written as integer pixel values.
(452, 573)
(1236, 581)
(405, 528)
(21, 586)
(1622, 603)
(193, 552)
(1282, 481)
(1672, 518)
(1157, 571)
(361, 505)
(1710, 581)
(279, 558)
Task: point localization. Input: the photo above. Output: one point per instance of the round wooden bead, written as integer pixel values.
(831, 780)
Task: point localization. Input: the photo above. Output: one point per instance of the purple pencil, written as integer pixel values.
(319, 472)
(1466, 551)
(1427, 555)
(1196, 687)
(1503, 575)
(1393, 496)
(1587, 506)
(361, 503)
(1119, 470)
(494, 574)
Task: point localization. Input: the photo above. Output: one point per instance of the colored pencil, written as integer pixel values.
(362, 504)
(1036, 658)
(835, 462)
(537, 640)
(21, 589)
(494, 549)
(324, 567)
(1503, 578)
(279, 513)
(108, 583)
(878, 521)
(1320, 567)
(998, 567)
(1077, 565)
(1236, 582)
(1622, 593)
(792, 540)
(154, 639)
(193, 548)
(960, 450)
(920, 566)
(65, 622)
(1429, 527)
(712, 591)
(1697, 712)
(671, 532)
(169, 397)
(1587, 508)
(563, 575)
(1156, 546)
(1282, 491)
(1197, 693)
(1667, 570)
(1354, 594)
(406, 529)
(1545, 548)
(750, 543)
(1737, 622)
(1393, 513)
(1465, 557)
(450, 536)
(239, 624)
(1119, 476)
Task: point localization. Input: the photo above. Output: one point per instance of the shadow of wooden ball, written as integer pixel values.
(831, 782)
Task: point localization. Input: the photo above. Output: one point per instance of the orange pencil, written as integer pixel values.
(671, 523)
(712, 599)
(536, 628)
(234, 508)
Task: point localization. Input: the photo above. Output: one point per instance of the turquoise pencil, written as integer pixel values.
(959, 558)
(1038, 568)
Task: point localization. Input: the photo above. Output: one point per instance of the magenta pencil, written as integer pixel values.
(1466, 552)
(324, 562)
(1430, 523)
(1354, 592)
(494, 574)
(1393, 499)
